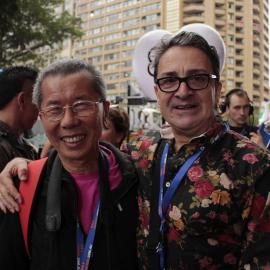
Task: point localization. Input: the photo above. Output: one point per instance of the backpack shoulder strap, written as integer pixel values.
(27, 190)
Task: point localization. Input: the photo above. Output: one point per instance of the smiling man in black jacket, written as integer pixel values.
(84, 211)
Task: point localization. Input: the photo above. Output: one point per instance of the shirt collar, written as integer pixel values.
(210, 136)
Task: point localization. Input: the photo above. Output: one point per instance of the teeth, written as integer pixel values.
(185, 107)
(73, 139)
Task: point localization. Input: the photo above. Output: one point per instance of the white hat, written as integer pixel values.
(150, 39)
(213, 38)
(140, 60)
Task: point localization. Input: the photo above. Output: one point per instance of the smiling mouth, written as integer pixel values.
(185, 107)
(73, 139)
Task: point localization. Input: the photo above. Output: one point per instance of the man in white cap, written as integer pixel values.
(203, 195)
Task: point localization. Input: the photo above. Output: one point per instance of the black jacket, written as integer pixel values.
(245, 130)
(11, 146)
(115, 240)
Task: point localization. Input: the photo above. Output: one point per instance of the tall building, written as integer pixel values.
(243, 25)
(59, 50)
(112, 28)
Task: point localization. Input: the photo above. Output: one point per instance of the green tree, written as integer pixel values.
(27, 25)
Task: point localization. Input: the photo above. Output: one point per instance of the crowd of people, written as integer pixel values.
(199, 199)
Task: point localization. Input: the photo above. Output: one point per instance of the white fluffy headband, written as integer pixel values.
(149, 40)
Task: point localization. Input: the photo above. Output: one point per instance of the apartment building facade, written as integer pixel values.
(112, 27)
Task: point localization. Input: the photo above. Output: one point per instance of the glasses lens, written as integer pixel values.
(198, 82)
(84, 108)
(79, 109)
(168, 84)
(53, 113)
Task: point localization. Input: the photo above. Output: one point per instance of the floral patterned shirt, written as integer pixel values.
(219, 216)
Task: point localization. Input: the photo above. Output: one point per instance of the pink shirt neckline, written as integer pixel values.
(88, 191)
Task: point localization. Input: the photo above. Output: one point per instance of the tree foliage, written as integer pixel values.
(27, 25)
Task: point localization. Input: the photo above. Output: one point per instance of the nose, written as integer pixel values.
(243, 111)
(69, 119)
(183, 90)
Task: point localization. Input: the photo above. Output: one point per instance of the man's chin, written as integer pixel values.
(240, 124)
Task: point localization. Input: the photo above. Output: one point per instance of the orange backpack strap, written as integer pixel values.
(27, 190)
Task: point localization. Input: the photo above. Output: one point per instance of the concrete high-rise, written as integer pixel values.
(243, 25)
(112, 28)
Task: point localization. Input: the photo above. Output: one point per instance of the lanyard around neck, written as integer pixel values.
(164, 200)
(84, 248)
(84, 251)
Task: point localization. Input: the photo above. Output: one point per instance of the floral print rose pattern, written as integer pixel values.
(219, 217)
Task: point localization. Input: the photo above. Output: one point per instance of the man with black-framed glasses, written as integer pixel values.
(204, 195)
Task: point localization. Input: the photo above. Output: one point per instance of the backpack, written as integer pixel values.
(27, 190)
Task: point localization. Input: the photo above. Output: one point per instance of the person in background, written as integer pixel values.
(17, 113)
(117, 127)
(238, 109)
(166, 131)
(92, 183)
(204, 195)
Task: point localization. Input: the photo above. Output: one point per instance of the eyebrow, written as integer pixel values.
(58, 102)
(188, 73)
(52, 103)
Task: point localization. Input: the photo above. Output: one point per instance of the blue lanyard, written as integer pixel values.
(164, 200)
(84, 251)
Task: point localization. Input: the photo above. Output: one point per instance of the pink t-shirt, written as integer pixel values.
(88, 191)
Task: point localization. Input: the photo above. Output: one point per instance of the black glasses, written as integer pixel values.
(194, 82)
(82, 108)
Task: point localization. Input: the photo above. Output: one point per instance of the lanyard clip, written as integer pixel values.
(159, 247)
(154, 248)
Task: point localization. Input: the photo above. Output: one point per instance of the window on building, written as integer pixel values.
(230, 72)
(230, 61)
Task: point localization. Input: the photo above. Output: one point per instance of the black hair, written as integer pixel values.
(120, 120)
(12, 80)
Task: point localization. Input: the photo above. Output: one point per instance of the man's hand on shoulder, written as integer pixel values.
(10, 198)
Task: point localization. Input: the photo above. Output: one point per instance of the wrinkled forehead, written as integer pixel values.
(184, 60)
(78, 75)
(69, 86)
